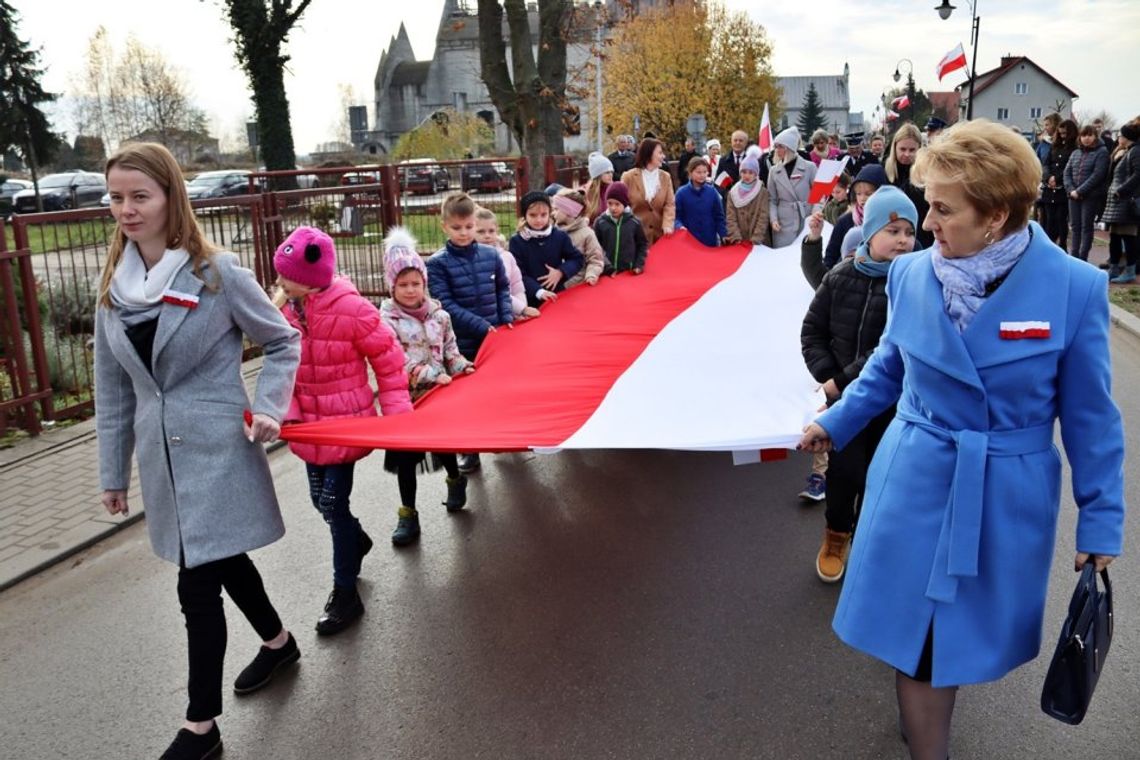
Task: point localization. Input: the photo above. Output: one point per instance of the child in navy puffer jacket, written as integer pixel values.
(545, 254)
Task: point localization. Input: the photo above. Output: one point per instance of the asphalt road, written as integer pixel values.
(587, 605)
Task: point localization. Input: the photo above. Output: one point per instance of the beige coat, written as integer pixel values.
(656, 214)
(749, 222)
(584, 239)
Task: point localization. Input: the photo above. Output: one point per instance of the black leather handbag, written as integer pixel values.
(1079, 658)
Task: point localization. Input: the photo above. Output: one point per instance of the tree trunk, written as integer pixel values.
(273, 126)
(553, 24)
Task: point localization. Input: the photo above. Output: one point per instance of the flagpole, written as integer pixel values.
(974, 65)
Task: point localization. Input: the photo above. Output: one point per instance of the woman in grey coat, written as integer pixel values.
(168, 387)
(789, 184)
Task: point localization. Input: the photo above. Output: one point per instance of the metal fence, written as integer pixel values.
(50, 263)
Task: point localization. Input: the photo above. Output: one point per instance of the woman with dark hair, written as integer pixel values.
(1120, 213)
(1054, 199)
(1084, 182)
(650, 188)
(994, 335)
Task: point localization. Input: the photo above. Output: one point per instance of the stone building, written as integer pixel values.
(409, 91)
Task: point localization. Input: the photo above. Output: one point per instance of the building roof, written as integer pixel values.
(832, 89)
(410, 72)
(947, 102)
(987, 78)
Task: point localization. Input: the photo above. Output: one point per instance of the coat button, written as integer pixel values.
(158, 393)
(175, 440)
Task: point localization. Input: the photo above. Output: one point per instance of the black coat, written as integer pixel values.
(843, 225)
(855, 164)
(623, 242)
(622, 162)
(683, 166)
(843, 324)
(1055, 167)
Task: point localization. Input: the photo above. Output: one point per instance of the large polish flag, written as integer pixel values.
(952, 61)
(764, 138)
(826, 178)
(700, 353)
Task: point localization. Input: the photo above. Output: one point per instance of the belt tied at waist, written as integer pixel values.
(956, 555)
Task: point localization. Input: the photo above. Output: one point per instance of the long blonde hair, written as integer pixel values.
(182, 230)
(594, 194)
(907, 131)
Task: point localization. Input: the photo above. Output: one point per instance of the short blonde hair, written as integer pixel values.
(996, 168)
(819, 134)
(483, 213)
(457, 205)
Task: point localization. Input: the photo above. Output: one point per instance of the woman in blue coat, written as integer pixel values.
(994, 333)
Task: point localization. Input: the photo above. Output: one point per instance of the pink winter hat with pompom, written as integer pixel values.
(399, 255)
(307, 257)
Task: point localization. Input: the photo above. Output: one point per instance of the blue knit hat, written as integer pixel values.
(851, 241)
(886, 205)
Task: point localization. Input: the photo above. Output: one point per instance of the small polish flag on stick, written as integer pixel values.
(723, 180)
(952, 61)
(764, 139)
(901, 102)
(826, 178)
(1019, 330)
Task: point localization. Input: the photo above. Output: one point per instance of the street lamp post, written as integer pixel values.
(944, 12)
(910, 93)
(599, 18)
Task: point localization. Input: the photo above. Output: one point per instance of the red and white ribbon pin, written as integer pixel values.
(189, 300)
(1019, 330)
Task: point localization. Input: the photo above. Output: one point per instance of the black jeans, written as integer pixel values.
(1055, 220)
(406, 476)
(1081, 220)
(200, 593)
(330, 486)
(847, 474)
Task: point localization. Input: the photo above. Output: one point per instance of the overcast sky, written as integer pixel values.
(1089, 45)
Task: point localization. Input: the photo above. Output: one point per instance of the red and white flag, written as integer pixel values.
(637, 362)
(764, 138)
(1020, 330)
(826, 178)
(952, 61)
(901, 102)
(723, 180)
(891, 115)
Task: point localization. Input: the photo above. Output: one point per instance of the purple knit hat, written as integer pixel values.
(400, 255)
(617, 191)
(307, 257)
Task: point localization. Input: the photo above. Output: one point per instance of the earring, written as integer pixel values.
(989, 238)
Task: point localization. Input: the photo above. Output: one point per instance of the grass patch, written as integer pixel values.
(1126, 297)
(42, 238)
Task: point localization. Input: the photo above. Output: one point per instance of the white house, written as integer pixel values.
(1017, 93)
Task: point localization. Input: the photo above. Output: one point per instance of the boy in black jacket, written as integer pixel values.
(620, 234)
(842, 327)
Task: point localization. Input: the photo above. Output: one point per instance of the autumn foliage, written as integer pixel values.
(666, 64)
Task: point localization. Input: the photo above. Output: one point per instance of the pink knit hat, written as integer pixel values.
(399, 255)
(307, 257)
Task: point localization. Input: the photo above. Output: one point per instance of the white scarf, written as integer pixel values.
(528, 234)
(134, 289)
(652, 182)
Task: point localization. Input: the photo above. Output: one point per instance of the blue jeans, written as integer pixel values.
(329, 487)
(1082, 215)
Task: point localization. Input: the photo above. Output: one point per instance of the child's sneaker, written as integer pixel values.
(407, 527)
(456, 494)
(831, 561)
(816, 488)
(469, 463)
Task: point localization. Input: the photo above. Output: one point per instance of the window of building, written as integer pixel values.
(1021, 88)
(1035, 113)
(1003, 114)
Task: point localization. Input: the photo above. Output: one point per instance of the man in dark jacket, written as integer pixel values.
(857, 158)
(687, 155)
(620, 234)
(623, 158)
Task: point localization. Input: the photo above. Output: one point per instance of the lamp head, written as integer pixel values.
(945, 9)
(896, 76)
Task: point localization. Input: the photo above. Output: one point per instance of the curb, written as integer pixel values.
(1125, 320)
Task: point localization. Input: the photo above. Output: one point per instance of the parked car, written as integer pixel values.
(494, 176)
(360, 178)
(62, 191)
(8, 189)
(219, 184)
(424, 176)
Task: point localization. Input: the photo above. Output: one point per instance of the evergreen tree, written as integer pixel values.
(811, 115)
(24, 128)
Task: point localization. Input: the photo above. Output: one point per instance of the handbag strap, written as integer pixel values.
(1107, 597)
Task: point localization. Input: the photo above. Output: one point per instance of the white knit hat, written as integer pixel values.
(599, 164)
(713, 143)
(789, 138)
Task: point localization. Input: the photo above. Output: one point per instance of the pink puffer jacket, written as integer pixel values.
(340, 332)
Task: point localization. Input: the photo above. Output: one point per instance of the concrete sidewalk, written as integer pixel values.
(50, 486)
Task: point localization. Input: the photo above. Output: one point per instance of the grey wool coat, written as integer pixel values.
(787, 196)
(207, 489)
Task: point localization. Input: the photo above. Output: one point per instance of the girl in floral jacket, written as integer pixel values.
(432, 357)
(341, 334)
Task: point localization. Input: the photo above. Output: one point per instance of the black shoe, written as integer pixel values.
(407, 528)
(469, 463)
(364, 545)
(267, 662)
(341, 610)
(456, 494)
(188, 745)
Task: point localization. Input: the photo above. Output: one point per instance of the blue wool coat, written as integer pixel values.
(960, 513)
(533, 256)
(471, 285)
(701, 212)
